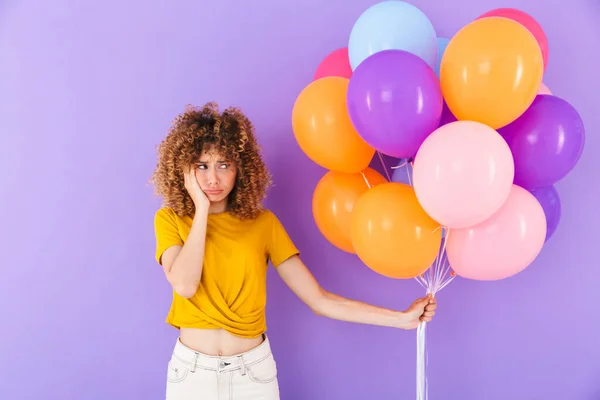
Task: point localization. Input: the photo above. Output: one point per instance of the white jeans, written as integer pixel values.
(250, 375)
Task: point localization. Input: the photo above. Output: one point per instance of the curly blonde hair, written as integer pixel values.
(232, 134)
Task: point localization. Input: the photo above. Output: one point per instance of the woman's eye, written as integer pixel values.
(201, 166)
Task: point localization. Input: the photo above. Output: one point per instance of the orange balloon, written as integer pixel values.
(323, 129)
(392, 234)
(491, 71)
(333, 201)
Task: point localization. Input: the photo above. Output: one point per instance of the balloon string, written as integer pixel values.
(421, 363)
(400, 166)
(436, 278)
(409, 160)
(366, 180)
(441, 265)
(384, 167)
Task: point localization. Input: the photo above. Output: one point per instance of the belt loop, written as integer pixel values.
(242, 366)
(194, 361)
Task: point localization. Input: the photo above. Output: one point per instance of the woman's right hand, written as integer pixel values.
(195, 191)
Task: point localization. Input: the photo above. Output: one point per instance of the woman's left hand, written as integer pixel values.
(421, 310)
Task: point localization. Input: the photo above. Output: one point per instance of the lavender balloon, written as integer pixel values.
(403, 172)
(550, 201)
(546, 142)
(394, 101)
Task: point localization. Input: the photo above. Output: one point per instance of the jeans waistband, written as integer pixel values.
(222, 364)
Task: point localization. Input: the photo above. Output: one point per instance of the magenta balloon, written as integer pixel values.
(394, 101)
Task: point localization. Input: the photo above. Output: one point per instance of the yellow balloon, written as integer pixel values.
(491, 71)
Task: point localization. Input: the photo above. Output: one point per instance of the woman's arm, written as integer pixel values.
(297, 276)
(183, 264)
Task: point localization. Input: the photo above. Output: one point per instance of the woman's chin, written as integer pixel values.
(215, 199)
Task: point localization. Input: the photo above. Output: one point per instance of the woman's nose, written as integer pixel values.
(212, 177)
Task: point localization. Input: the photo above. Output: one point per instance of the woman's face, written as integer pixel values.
(215, 175)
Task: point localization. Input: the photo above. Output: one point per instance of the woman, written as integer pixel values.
(214, 242)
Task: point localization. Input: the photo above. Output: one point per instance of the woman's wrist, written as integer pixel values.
(201, 210)
(402, 320)
(200, 218)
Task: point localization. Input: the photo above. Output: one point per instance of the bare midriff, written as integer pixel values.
(217, 342)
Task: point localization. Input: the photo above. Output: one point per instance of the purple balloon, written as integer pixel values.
(447, 115)
(550, 201)
(546, 142)
(394, 102)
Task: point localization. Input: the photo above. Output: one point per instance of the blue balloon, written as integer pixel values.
(392, 25)
(442, 44)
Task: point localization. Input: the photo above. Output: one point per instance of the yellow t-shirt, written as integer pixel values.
(232, 290)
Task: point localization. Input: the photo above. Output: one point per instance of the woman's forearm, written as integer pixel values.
(186, 270)
(340, 308)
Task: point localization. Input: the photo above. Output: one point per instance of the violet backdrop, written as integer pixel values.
(88, 89)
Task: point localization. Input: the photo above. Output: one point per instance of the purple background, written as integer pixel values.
(88, 91)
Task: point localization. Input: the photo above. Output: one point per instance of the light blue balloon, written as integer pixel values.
(442, 44)
(392, 24)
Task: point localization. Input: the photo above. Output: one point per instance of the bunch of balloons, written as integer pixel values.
(486, 139)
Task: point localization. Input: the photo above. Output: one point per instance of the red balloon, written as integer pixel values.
(335, 64)
(528, 22)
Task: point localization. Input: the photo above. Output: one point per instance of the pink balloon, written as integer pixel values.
(335, 64)
(463, 173)
(502, 245)
(544, 89)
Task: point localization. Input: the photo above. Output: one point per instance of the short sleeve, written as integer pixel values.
(166, 232)
(281, 247)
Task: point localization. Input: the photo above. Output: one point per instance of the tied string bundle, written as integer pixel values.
(437, 277)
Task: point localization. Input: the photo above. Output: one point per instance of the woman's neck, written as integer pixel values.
(218, 207)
